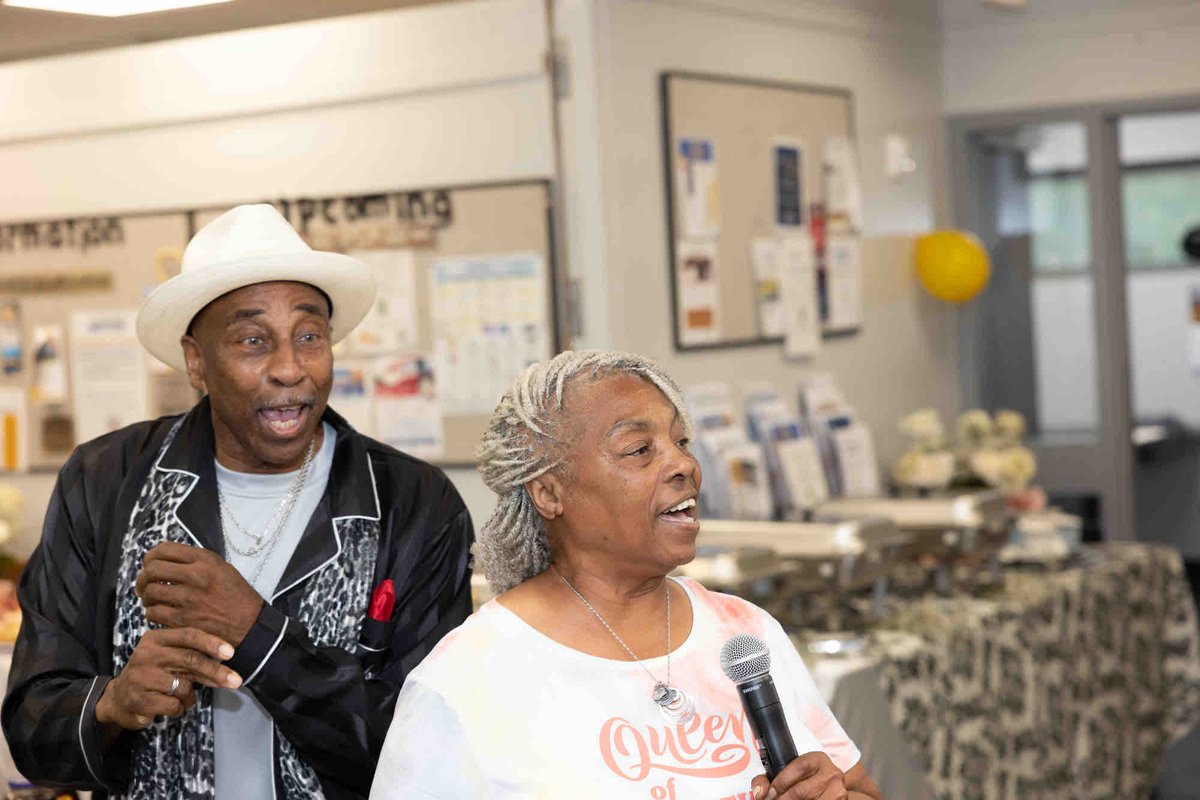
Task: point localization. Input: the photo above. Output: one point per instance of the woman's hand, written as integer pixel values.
(813, 776)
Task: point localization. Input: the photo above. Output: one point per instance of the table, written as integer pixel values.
(1066, 685)
(851, 688)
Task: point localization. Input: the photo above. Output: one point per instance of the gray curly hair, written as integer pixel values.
(527, 437)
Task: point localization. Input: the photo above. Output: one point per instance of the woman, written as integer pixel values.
(593, 674)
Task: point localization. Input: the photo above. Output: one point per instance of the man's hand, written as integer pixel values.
(811, 776)
(143, 689)
(190, 587)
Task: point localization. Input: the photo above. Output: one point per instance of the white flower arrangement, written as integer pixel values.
(925, 428)
(920, 469)
(973, 426)
(1009, 427)
(987, 451)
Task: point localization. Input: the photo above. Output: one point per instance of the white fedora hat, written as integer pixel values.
(247, 245)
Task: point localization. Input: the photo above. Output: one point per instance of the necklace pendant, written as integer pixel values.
(673, 704)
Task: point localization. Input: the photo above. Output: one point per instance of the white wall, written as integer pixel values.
(1073, 52)
(887, 54)
(457, 93)
(437, 95)
(1067, 52)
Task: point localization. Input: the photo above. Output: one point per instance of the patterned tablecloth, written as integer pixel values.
(1064, 685)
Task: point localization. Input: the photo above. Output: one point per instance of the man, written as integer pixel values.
(210, 611)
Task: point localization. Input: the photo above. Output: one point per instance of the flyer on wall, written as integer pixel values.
(787, 182)
(697, 188)
(696, 291)
(12, 351)
(108, 372)
(490, 321)
(843, 283)
(391, 324)
(408, 415)
(765, 254)
(49, 364)
(802, 323)
(351, 394)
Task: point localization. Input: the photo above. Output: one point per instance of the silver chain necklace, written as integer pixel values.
(674, 704)
(269, 537)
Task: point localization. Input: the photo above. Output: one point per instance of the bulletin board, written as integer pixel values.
(79, 281)
(468, 298)
(720, 137)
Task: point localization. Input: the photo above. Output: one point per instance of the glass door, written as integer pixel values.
(1047, 337)
(1160, 207)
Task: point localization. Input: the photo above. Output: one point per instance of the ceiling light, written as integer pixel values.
(109, 8)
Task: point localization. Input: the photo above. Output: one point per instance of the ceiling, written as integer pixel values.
(32, 34)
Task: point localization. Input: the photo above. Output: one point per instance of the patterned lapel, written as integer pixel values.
(190, 455)
(333, 568)
(173, 758)
(350, 503)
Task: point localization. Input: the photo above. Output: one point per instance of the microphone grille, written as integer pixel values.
(744, 657)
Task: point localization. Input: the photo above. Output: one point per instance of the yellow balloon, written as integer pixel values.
(952, 265)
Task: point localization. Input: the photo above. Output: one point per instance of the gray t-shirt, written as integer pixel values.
(244, 733)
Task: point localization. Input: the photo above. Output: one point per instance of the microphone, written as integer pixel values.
(746, 661)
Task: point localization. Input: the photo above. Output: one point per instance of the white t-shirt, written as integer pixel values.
(499, 710)
(244, 733)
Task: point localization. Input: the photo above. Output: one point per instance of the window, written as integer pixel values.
(1161, 204)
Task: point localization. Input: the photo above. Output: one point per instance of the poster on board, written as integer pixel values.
(843, 283)
(49, 364)
(108, 372)
(391, 324)
(697, 293)
(697, 188)
(12, 348)
(788, 192)
(802, 322)
(408, 414)
(352, 394)
(765, 255)
(490, 321)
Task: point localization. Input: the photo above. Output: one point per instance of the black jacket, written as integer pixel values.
(332, 705)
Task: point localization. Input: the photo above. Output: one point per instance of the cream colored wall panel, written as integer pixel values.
(466, 136)
(1071, 52)
(262, 69)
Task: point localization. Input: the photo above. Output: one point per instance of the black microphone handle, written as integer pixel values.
(765, 715)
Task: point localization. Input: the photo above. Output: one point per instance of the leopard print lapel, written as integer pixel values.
(173, 758)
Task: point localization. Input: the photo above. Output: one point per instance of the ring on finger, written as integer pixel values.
(174, 684)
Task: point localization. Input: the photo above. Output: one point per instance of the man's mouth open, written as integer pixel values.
(285, 420)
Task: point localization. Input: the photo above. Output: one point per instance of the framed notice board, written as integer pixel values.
(467, 299)
(71, 367)
(748, 169)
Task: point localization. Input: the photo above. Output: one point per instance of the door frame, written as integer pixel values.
(1106, 464)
